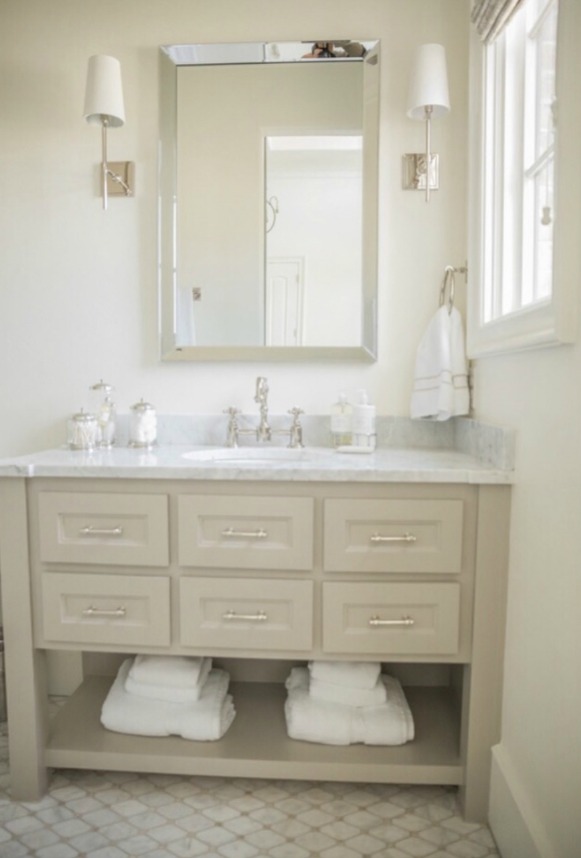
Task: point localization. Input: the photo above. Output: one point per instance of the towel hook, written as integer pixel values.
(450, 282)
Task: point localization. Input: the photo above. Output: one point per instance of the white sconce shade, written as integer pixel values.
(429, 83)
(104, 106)
(428, 98)
(104, 92)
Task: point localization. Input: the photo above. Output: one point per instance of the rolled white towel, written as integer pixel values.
(354, 674)
(170, 671)
(170, 693)
(310, 720)
(205, 720)
(347, 695)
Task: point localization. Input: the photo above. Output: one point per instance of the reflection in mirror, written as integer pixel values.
(313, 230)
(268, 202)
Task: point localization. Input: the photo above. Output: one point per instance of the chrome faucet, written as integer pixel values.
(263, 431)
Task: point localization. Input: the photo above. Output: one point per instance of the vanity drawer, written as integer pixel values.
(106, 609)
(393, 535)
(391, 619)
(117, 529)
(256, 614)
(245, 532)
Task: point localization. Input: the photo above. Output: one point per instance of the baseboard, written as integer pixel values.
(515, 827)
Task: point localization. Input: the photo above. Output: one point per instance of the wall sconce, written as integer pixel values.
(104, 106)
(428, 99)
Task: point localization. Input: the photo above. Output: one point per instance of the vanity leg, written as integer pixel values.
(24, 665)
(482, 686)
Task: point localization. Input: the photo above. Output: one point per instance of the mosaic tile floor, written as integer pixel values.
(116, 815)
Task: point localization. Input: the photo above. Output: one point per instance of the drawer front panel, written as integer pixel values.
(106, 609)
(245, 532)
(397, 619)
(393, 536)
(227, 613)
(111, 529)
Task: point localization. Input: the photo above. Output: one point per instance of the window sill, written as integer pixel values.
(533, 327)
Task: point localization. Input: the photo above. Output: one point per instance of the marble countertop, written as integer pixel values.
(314, 464)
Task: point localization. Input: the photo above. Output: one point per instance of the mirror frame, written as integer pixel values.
(167, 251)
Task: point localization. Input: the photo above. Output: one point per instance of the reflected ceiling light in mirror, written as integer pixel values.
(104, 106)
(428, 99)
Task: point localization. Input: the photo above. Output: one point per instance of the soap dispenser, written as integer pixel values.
(364, 433)
(341, 422)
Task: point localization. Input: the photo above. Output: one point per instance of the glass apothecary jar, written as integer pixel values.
(83, 431)
(143, 425)
(103, 407)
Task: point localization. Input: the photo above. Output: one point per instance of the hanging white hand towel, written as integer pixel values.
(440, 388)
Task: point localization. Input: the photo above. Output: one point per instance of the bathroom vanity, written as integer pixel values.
(398, 557)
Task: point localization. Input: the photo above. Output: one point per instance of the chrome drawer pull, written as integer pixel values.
(259, 617)
(407, 537)
(100, 531)
(245, 534)
(405, 621)
(104, 612)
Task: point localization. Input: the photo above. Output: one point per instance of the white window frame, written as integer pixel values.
(552, 321)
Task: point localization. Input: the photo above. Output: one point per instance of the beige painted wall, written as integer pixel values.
(537, 775)
(78, 295)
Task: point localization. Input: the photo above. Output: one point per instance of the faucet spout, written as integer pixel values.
(263, 431)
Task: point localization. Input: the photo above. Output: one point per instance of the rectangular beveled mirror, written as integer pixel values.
(268, 201)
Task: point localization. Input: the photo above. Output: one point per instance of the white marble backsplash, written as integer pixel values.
(492, 445)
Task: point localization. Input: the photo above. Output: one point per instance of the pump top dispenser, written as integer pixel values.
(364, 431)
(341, 422)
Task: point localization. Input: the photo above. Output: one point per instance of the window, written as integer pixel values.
(512, 305)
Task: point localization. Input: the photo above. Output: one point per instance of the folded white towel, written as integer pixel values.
(170, 693)
(310, 720)
(170, 671)
(362, 674)
(440, 388)
(205, 720)
(348, 696)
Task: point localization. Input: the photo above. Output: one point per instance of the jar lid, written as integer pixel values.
(102, 387)
(83, 417)
(142, 406)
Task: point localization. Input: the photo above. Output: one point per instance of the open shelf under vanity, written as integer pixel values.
(257, 742)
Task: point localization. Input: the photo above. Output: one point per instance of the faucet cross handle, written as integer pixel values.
(232, 432)
(296, 430)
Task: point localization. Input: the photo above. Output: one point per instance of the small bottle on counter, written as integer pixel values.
(104, 409)
(364, 432)
(83, 431)
(143, 425)
(341, 422)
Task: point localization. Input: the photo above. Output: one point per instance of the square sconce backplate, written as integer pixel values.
(126, 172)
(414, 172)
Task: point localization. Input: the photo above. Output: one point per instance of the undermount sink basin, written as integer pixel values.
(252, 455)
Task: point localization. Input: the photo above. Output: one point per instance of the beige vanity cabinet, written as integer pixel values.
(260, 575)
